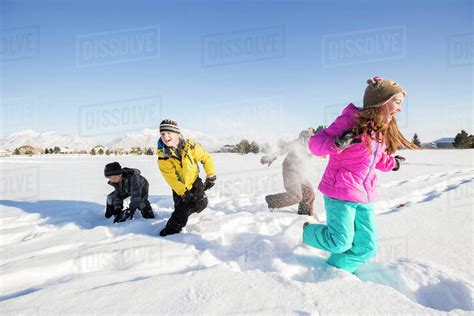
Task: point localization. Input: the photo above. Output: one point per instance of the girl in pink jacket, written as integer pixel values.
(357, 142)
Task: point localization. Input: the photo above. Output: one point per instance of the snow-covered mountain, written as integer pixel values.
(46, 139)
(149, 137)
(144, 138)
(18, 139)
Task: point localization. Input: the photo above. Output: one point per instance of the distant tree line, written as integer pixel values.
(98, 150)
(137, 151)
(463, 140)
(243, 147)
(55, 150)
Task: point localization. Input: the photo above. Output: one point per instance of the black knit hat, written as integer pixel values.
(112, 169)
(169, 126)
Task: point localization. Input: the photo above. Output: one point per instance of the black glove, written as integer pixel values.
(210, 182)
(399, 160)
(346, 139)
(123, 215)
(118, 215)
(188, 198)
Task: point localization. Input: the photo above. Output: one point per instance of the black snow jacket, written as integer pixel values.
(133, 185)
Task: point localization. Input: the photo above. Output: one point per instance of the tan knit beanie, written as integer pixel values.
(379, 91)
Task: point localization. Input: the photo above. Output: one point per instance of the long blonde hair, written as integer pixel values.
(371, 123)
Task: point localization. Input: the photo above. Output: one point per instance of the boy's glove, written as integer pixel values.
(123, 215)
(118, 217)
(117, 213)
(210, 182)
(399, 160)
(347, 139)
(188, 197)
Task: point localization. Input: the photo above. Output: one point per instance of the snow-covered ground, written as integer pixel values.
(59, 255)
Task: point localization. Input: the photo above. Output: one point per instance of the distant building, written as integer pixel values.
(444, 143)
(228, 149)
(67, 150)
(428, 146)
(5, 153)
(119, 151)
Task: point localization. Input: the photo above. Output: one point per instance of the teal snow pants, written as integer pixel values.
(350, 234)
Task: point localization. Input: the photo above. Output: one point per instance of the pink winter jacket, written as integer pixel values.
(350, 173)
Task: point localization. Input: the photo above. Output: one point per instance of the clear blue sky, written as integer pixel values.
(294, 85)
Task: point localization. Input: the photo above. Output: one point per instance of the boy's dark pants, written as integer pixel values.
(115, 204)
(182, 210)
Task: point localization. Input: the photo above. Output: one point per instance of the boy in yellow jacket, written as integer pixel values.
(178, 160)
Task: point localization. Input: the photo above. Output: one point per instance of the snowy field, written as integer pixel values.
(59, 255)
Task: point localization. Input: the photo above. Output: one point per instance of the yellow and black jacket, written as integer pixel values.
(180, 166)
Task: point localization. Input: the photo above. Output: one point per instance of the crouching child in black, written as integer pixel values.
(127, 182)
